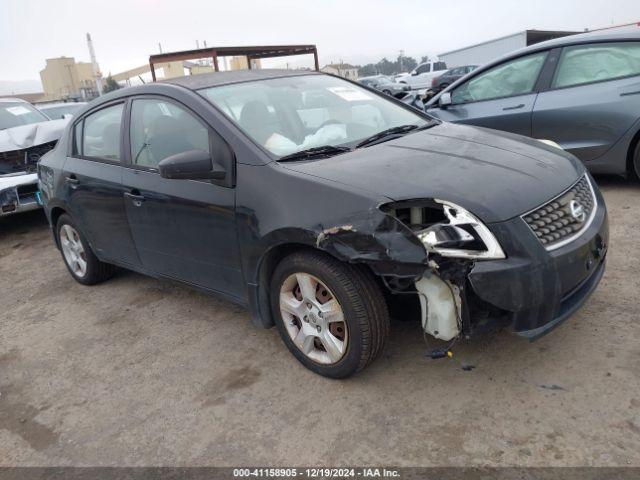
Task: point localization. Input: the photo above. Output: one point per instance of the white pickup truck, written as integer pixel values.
(421, 76)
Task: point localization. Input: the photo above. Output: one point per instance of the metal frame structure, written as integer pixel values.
(250, 52)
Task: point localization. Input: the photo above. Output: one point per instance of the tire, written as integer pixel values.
(77, 255)
(635, 163)
(360, 302)
(388, 92)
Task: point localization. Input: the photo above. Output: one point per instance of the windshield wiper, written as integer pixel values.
(323, 151)
(390, 132)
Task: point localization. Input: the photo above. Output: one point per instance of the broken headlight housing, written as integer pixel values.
(449, 230)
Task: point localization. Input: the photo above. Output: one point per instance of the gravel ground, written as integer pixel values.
(139, 371)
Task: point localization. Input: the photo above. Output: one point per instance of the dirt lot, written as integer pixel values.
(144, 372)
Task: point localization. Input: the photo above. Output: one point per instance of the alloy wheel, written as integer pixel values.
(313, 318)
(73, 251)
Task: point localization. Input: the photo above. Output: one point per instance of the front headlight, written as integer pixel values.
(461, 235)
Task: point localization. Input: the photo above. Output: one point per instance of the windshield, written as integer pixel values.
(14, 114)
(60, 111)
(292, 114)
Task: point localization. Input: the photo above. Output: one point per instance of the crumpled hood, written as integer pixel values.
(496, 175)
(26, 136)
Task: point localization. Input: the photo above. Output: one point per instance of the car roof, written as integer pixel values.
(629, 33)
(12, 100)
(44, 106)
(214, 79)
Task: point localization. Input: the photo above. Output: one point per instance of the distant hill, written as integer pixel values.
(8, 87)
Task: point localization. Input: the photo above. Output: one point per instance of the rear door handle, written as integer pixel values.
(514, 107)
(135, 197)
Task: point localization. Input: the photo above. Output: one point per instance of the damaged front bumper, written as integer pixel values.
(534, 290)
(18, 193)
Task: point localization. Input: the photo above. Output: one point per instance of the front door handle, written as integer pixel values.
(135, 197)
(514, 107)
(72, 181)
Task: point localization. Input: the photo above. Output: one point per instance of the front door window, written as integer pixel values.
(160, 129)
(515, 77)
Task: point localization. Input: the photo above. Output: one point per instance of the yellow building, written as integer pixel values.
(240, 63)
(63, 78)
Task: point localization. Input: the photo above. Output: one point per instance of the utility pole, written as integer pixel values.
(97, 76)
(400, 60)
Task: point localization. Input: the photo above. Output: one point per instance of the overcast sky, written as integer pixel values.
(125, 32)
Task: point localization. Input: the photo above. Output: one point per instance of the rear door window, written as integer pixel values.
(582, 64)
(101, 133)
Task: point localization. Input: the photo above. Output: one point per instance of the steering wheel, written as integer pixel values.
(331, 121)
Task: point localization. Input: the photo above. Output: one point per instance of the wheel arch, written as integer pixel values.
(259, 291)
(259, 301)
(633, 144)
(54, 215)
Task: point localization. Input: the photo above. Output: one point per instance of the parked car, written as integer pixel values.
(313, 201)
(421, 76)
(60, 109)
(581, 91)
(384, 84)
(447, 78)
(25, 135)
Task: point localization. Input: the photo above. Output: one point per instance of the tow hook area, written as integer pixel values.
(440, 310)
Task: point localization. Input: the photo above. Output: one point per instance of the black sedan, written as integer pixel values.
(452, 75)
(315, 203)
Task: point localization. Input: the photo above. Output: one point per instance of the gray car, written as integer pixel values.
(581, 91)
(384, 84)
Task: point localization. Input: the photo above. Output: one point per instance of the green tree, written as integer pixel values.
(405, 64)
(385, 67)
(424, 59)
(367, 70)
(110, 85)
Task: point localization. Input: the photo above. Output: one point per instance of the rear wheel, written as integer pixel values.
(635, 163)
(332, 316)
(80, 260)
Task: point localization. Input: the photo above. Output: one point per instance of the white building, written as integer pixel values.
(343, 70)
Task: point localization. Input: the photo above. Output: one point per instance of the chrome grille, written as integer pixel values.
(563, 218)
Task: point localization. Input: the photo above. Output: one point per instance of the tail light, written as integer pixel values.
(433, 82)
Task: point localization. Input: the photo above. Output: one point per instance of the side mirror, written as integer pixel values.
(191, 165)
(445, 100)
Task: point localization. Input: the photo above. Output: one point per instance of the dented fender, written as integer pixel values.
(375, 238)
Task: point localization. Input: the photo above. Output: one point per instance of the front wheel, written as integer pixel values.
(332, 316)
